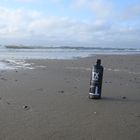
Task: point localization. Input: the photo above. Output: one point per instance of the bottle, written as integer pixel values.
(96, 81)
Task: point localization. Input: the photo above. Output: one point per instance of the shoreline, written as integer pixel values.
(62, 52)
(15, 63)
(51, 100)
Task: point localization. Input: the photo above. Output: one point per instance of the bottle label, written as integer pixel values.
(95, 76)
(96, 91)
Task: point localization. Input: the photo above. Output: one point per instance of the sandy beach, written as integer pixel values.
(50, 102)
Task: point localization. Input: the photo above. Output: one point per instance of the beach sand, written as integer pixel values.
(51, 101)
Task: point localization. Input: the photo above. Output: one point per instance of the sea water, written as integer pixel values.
(12, 55)
(60, 52)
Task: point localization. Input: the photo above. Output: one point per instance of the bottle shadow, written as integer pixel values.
(119, 99)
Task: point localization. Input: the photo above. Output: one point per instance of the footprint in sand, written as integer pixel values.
(61, 91)
(26, 107)
(4, 79)
(40, 89)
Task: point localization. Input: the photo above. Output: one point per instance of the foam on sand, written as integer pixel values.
(11, 64)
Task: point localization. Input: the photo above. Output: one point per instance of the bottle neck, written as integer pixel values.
(98, 63)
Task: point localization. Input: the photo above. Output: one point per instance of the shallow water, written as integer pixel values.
(13, 58)
(61, 52)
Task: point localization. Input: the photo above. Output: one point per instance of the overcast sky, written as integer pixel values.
(111, 23)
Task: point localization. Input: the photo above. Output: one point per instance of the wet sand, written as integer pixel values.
(51, 101)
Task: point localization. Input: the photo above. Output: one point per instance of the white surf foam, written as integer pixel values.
(10, 64)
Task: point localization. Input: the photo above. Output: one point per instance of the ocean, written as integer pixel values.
(15, 52)
(16, 55)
